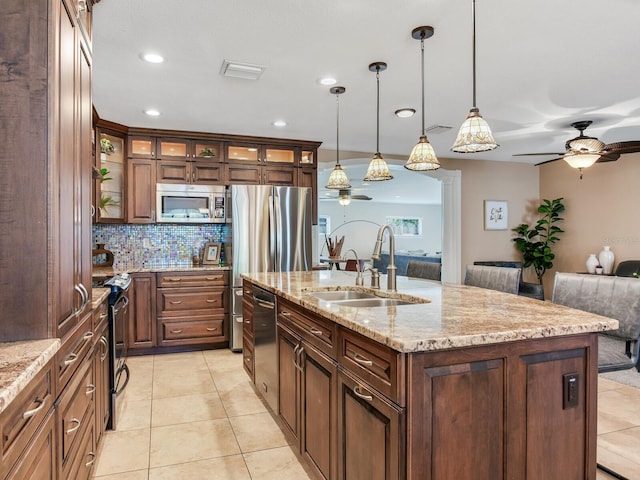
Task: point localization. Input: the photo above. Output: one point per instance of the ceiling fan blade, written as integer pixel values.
(609, 157)
(622, 147)
(361, 197)
(549, 161)
(531, 154)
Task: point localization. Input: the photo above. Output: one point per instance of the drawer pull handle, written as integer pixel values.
(176, 302)
(176, 331)
(88, 336)
(247, 292)
(72, 357)
(316, 332)
(356, 390)
(217, 277)
(74, 428)
(175, 279)
(93, 459)
(103, 316)
(362, 360)
(285, 314)
(30, 413)
(247, 321)
(104, 342)
(210, 301)
(90, 389)
(211, 329)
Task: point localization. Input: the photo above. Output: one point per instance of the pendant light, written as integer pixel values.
(338, 179)
(378, 169)
(475, 134)
(422, 156)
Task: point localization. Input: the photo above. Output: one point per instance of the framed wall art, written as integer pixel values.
(496, 214)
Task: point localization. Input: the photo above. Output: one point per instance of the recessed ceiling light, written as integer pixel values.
(405, 112)
(152, 57)
(152, 112)
(328, 81)
(279, 123)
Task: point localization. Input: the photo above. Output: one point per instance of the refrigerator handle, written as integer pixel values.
(273, 233)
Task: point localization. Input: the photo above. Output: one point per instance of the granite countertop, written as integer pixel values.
(98, 295)
(20, 362)
(154, 267)
(455, 315)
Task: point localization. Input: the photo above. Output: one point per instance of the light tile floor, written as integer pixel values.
(196, 416)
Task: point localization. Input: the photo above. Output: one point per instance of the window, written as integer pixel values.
(405, 226)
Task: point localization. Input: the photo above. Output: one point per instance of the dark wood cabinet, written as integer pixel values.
(192, 307)
(111, 156)
(39, 459)
(196, 172)
(142, 311)
(141, 146)
(101, 375)
(308, 177)
(141, 191)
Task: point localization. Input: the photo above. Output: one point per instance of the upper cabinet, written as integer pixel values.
(188, 150)
(109, 200)
(261, 154)
(189, 161)
(142, 146)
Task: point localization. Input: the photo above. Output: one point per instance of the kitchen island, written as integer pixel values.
(461, 383)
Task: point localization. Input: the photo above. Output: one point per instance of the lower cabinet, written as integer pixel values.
(39, 459)
(142, 326)
(101, 374)
(307, 400)
(370, 432)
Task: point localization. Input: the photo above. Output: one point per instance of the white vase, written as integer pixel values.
(606, 258)
(592, 261)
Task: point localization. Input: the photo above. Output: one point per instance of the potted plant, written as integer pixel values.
(535, 242)
(207, 152)
(106, 147)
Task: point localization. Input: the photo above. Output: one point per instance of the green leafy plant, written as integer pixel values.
(535, 242)
(207, 152)
(106, 146)
(107, 201)
(103, 175)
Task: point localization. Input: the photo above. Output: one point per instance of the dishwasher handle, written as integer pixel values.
(264, 303)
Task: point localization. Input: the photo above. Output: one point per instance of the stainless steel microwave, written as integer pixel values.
(186, 203)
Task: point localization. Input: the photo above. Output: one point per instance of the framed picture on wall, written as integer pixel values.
(211, 254)
(405, 226)
(496, 214)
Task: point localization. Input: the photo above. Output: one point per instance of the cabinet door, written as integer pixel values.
(109, 199)
(308, 158)
(173, 149)
(243, 174)
(204, 150)
(101, 374)
(141, 147)
(141, 194)
(318, 397)
(284, 156)
(244, 153)
(39, 459)
(142, 312)
(308, 177)
(369, 433)
(280, 175)
(207, 173)
(289, 382)
(174, 171)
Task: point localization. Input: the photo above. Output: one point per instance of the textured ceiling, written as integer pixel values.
(541, 65)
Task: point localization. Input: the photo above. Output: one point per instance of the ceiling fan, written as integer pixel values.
(345, 197)
(583, 151)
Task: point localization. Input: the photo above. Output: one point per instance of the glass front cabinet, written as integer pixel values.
(109, 177)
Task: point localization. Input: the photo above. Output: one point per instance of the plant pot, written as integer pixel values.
(531, 290)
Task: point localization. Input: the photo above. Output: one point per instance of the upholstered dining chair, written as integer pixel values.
(494, 278)
(613, 297)
(427, 270)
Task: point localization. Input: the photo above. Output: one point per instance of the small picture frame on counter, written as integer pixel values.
(211, 254)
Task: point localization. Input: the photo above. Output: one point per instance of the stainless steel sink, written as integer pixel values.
(371, 302)
(339, 295)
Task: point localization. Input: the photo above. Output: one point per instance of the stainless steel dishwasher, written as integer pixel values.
(265, 350)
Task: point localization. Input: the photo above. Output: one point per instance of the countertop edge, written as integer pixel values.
(20, 362)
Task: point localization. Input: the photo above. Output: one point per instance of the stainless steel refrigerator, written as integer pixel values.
(271, 232)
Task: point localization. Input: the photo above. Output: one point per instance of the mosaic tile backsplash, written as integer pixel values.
(148, 245)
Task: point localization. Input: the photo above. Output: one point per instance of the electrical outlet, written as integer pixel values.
(570, 392)
(146, 243)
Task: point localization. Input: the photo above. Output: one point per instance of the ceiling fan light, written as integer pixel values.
(338, 179)
(474, 135)
(422, 157)
(378, 170)
(344, 197)
(581, 160)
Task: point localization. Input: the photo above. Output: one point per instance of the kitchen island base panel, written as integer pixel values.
(502, 408)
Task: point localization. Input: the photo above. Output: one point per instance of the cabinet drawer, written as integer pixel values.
(190, 328)
(24, 415)
(378, 365)
(177, 301)
(100, 316)
(247, 356)
(193, 279)
(75, 412)
(247, 319)
(39, 459)
(317, 331)
(73, 351)
(81, 464)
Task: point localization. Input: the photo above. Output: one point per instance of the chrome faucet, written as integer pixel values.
(391, 268)
(359, 278)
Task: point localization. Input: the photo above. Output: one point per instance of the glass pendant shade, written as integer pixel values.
(344, 198)
(422, 156)
(474, 135)
(378, 170)
(582, 160)
(338, 179)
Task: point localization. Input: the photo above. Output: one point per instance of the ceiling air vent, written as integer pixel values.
(247, 71)
(438, 128)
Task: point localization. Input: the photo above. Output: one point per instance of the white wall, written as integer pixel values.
(359, 221)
